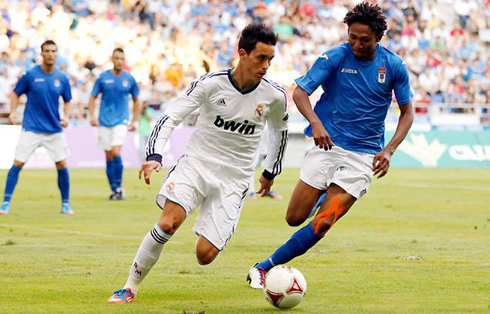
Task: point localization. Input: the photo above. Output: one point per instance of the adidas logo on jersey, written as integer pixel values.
(221, 103)
(239, 127)
(350, 71)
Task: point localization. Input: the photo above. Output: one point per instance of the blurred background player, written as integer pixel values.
(358, 78)
(115, 86)
(235, 105)
(41, 125)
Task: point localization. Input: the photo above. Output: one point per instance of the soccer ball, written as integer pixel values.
(284, 287)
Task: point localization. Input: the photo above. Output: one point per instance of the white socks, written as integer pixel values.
(148, 253)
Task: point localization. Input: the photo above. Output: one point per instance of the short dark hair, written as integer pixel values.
(48, 42)
(368, 14)
(254, 33)
(117, 50)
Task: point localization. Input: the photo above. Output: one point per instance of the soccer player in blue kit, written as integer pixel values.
(115, 86)
(358, 78)
(41, 125)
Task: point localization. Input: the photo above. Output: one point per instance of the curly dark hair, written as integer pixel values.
(254, 33)
(368, 14)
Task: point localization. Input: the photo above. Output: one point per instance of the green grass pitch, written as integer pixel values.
(418, 242)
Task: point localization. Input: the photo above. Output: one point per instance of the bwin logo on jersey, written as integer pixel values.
(242, 128)
(350, 71)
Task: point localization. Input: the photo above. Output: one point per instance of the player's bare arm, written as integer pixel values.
(381, 162)
(136, 114)
(91, 110)
(320, 135)
(64, 121)
(14, 102)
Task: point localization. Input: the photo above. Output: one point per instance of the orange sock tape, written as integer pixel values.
(335, 209)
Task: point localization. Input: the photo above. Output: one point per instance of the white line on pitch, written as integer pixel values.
(15, 245)
(439, 186)
(95, 234)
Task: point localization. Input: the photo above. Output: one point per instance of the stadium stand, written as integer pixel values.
(168, 43)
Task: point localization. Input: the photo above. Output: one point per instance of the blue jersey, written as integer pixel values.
(356, 95)
(43, 91)
(114, 104)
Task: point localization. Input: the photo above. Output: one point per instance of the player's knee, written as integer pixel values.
(205, 257)
(293, 220)
(167, 226)
(19, 164)
(61, 164)
(294, 216)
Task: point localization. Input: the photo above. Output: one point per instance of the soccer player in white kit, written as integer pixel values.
(235, 105)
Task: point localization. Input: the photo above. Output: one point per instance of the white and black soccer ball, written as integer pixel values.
(284, 287)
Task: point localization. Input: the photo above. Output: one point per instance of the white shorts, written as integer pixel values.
(109, 137)
(352, 171)
(191, 184)
(54, 143)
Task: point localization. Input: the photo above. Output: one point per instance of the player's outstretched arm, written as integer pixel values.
(381, 161)
(14, 102)
(320, 135)
(136, 114)
(66, 108)
(277, 126)
(147, 168)
(91, 111)
(194, 96)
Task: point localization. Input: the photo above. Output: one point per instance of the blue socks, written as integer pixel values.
(300, 242)
(114, 171)
(12, 178)
(118, 171)
(111, 175)
(64, 184)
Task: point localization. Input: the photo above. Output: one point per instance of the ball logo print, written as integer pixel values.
(284, 287)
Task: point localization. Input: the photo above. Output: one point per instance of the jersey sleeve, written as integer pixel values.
(401, 85)
(135, 91)
(66, 90)
(320, 70)
(22, 85)
(277, 126)
(193, 97)
(96, 88)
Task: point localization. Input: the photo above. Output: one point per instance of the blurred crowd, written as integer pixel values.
(169, 42)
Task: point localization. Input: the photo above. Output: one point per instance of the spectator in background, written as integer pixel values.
(145, 127)
(160, 37)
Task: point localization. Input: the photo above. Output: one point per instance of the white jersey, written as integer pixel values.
(230, 123)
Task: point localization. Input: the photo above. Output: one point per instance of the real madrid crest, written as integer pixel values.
(125, 83)
(57, 83)
(170, 185)
(259, 111)
(382, 75)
